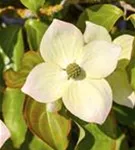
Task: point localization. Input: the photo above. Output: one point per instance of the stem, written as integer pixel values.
(63, 2)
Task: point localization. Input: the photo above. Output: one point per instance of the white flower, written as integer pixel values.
(123, 93)
(4, 133)
(75, 71)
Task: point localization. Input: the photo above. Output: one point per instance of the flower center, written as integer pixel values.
(73, 70)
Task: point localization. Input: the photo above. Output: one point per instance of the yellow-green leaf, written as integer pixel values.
(35, 30)
(16, 79)
(51, 127)
(12, 108)
(33, 5)
(105, 15)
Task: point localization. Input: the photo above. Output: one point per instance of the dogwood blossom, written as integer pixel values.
(4, 133)
(75, 71)
(123, 93)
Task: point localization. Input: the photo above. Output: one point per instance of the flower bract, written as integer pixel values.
(4, 133)
(75, 69)
(123, 93)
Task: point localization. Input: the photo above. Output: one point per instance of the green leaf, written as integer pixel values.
(132, 19)
(38, 144)
(12, 108)
(103, 137)
(18, 52)
(8, 39)
(8, 146)
(33, 5)
(132, 69)
(16, 79)
(11, 42)
(105, 15)
(35, 30)
(121, 87)
(124, 115)
(133, 78)
(126, 42)
(81, 135)
(51, 127)
(1, 80)
(1, 69)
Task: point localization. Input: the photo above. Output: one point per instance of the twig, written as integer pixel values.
(126, 7)
(63, 2)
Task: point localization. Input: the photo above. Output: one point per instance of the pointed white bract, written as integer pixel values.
(46, 77)
(61, 44)
(4, 133)
(100, 58)
(95, 32)
(90, 100)
(123, 93)
(88, 96)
